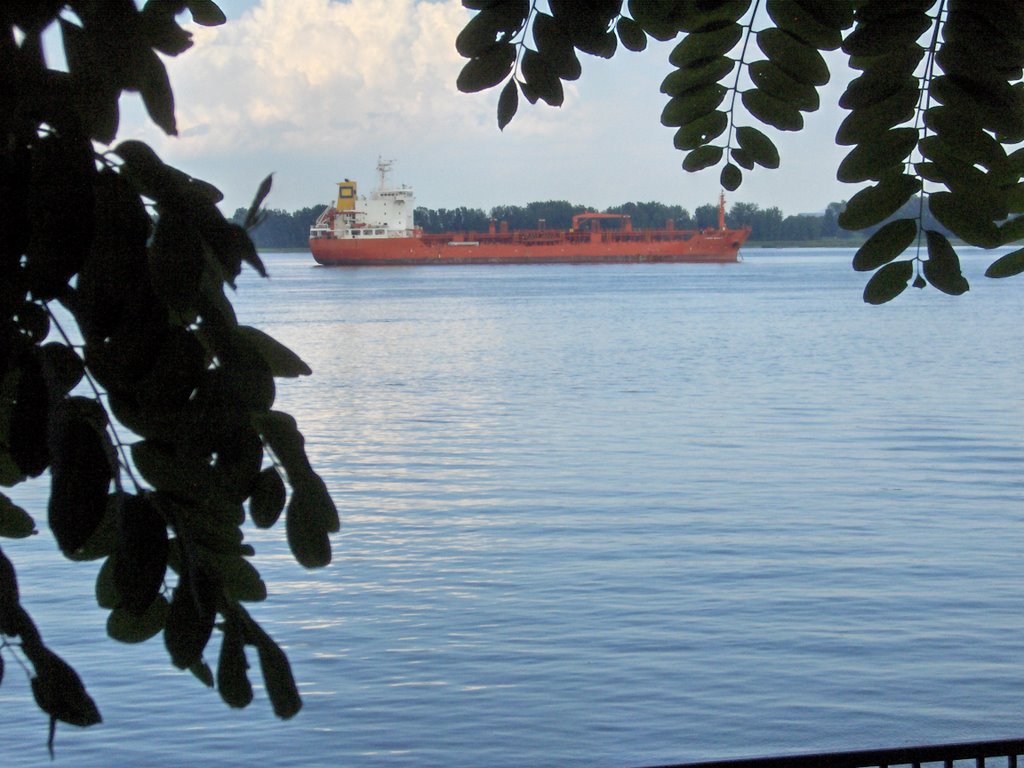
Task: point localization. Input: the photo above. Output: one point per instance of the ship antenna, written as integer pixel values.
(383, 168)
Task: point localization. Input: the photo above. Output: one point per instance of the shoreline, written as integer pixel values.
(764, 244)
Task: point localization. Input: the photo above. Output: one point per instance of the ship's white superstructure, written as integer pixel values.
(386, 213)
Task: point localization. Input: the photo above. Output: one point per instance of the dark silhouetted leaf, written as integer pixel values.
(156, 92)
(28, 443)
(282, 434)
(190, 618)
(555, 47)
(898, 29)
(508, 103)
(963, 216)
(106, 589)
(701, 131)
(252, 215)
(888, 282)
(828, 13)
(995, 104)
(277, 677)
(305, 526)
(11, 611)
(885, 245)
(488, 70)
(239, 457)
(702, 73)
(186, 476)
(15, 522)
(144, 170)
(268, 498)
(703, 17)
(496, 22)
(877, 203)
(201, 671)
(1008, 265)
(105, 539)
(141, 561)
(631, 34)
(62, 369)
(1012, 230)
(162, 31)
(964, 138)
(943, 266)
(94, 92)
(655, 18)
(872, 87)
(62, 179)
(700, 46)
(206, 12)
(540, 79)
(81, 467)
(742, 158)
(731, 177)
(987, 200)
(176, 262)
(232, 667)
(127, 627)
(877, 157)
(772, 111)
(874, 120)
(692, 105)
(603, 44)
(762, 149)
(773, 80)
(238, 578)
(702, 157)
(33, 320)
(799, 22)
(282, 361)
(800, 60)
(58, 690)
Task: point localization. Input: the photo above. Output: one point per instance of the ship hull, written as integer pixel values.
(712, 247)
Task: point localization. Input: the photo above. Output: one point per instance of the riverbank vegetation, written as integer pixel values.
(284, 230)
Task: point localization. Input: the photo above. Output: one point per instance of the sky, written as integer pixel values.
(316, 90)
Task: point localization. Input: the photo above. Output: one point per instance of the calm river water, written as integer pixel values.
(608, 516)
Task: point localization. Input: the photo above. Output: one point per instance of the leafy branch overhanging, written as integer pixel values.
(937, 109)
(113, 311)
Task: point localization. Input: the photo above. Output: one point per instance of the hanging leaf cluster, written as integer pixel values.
(935, 110)
(153, 407)
(494, 43)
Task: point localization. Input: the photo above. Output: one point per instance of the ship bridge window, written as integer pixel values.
(378, 231)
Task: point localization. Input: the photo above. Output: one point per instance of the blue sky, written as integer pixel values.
(316, 90)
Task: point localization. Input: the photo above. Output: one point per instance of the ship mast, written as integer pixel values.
(721, 210)
(383, 169)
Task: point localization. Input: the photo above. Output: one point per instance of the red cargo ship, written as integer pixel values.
(379, 231)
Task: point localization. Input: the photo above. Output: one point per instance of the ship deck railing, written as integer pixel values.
(1004, 753)
(555, 236)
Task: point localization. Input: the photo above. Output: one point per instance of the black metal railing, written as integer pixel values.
(979, 754)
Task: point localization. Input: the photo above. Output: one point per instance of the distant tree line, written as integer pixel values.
(280, 229)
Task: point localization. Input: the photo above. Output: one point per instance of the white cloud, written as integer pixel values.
(312, 75)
